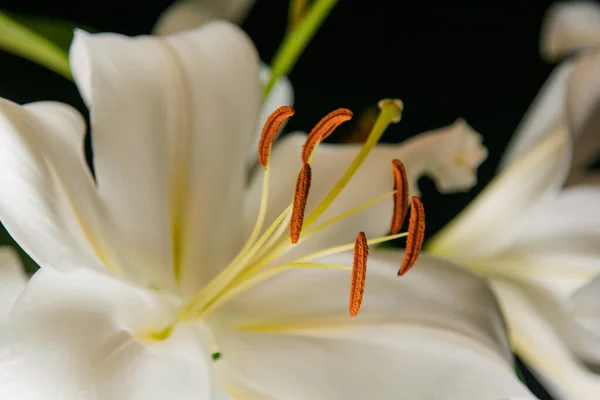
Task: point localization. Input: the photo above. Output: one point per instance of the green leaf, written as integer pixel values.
(35, 43)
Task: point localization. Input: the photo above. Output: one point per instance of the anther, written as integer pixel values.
(325, 127)
(270, 130)
(359, 274)
(416, 234)
(400, 196)
(299, 205)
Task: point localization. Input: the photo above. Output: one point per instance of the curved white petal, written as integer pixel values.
(489, 221)
(79, 336)
(568, 27)
(435, 333)
(184, 15)
(171, 117)
(557, 244)
(450, 155)
(12, 281)
(49, 203)
(547, 111)
(535, 340)
(583, 108)
(585, 306)
(586, 301)
(579, 332)
(572, 214)
(282, 94)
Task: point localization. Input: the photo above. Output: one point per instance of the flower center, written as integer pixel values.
(256, 261)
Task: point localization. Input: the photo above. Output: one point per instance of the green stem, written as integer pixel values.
(296, 41)
(17, 39)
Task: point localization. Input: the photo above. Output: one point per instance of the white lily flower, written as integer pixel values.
(146, 289)
(535, 230)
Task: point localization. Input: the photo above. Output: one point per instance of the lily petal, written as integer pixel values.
(435, 333)
(170, 117)
(12, 281)
(184, 15)
(449, 155)
(537, 342)
(489, 220)
(568, 27)
(557, 245)
(585, 305)
(49, 203)
(547, 112)
(84, 339)
(586, 299)
(571, 214)
(583, 108)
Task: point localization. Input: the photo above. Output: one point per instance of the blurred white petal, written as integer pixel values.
(451, 346)
(166, 110)
(568, 27)
(12, 281)
(80, 335)
(184, 15)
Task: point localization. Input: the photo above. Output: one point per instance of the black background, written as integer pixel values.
(445, 59)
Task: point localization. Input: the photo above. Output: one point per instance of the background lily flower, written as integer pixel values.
(534, 231)
(123, 304)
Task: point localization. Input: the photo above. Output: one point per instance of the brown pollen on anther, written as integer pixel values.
(299, 205)
(400, 196)
(359, 274)
(270, 130)
(416, 234)
(325, 127)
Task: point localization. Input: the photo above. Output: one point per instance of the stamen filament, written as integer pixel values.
(234, 268)
(305, 236)
(270, 130)
(347, 214)
(346, 247)
(253, 280)
(390, 112)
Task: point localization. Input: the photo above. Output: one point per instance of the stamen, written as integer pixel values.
(270, 130)
(416, 234)
(325, 127)
(359, 274)
(300, 197)
(400, 196)
(391, 111)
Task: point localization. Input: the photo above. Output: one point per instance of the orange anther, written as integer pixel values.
(400, 196)
(359, 274)
(323, 129)
(416, 234)
(270, 130)
(300, 197)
